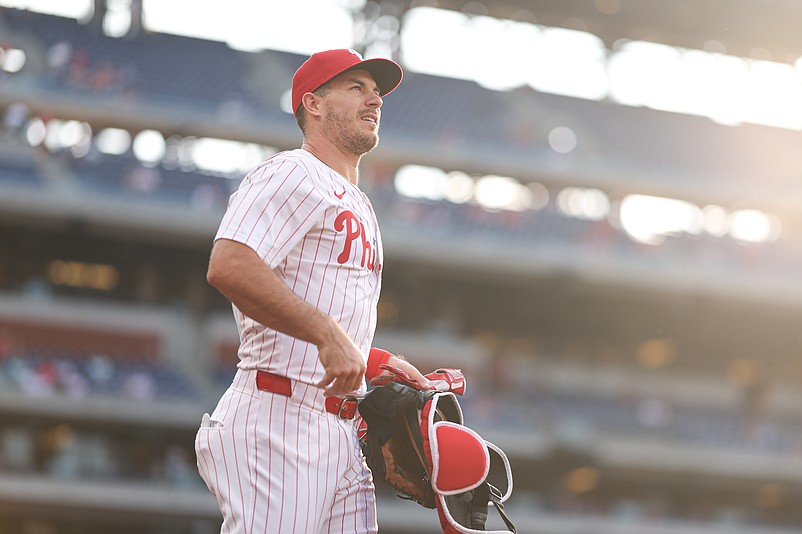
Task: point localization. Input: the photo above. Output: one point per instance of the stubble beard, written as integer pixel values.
(345, 134)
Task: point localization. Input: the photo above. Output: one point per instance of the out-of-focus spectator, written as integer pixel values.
(97, 460)
(232, 107)
(16, 450)
(46, 377)
(142, 179)
(14, 119)
(59, 58)
(7, 343)
(73, 383)
(178, 470)
(57, 446)
(140, 386)
(654, 413)
(128, 83)
(100, 370)
(205, 196)
(26, 378)
(104, 78)
(78, 76)
(37, 288)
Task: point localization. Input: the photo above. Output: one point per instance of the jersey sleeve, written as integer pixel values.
(274, 207)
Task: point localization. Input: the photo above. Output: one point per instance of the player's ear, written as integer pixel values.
(311, 103)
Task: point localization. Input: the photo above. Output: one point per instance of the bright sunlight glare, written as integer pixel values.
(649, 219)
(75, 9)
(255, 25)
(497, 54)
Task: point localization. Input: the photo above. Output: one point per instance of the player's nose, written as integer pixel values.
(375, 101)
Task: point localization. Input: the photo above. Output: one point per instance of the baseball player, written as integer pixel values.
(299, 255)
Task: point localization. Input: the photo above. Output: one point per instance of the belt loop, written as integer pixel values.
(273, 383)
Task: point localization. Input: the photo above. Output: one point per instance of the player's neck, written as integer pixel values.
(347, 165)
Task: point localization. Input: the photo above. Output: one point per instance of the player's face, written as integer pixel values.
(353, 112)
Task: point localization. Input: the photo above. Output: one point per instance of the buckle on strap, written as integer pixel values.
(342, 407)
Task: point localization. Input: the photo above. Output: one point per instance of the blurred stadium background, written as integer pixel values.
(606, 238)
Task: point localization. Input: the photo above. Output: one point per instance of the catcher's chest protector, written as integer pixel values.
(415, 442)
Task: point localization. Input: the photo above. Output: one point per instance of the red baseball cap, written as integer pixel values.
(323, 66)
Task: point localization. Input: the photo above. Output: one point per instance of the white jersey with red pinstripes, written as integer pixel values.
(319, 234)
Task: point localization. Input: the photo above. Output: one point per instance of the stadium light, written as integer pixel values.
(753, 226)
(113, 141)
(218, 155)
(649, 219)
(35, 131)
(417, 181)
(459, 188)
(73, 133)
(501, 193)
(12, 60)
(117, 21)
(588, 204)
(716, 220)
(538, 195)
(562, 140)
(149, 146)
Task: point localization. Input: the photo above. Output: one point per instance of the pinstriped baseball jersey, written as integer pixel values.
(319, 234)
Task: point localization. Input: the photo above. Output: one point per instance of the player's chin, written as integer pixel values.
(366, 144)
(371, 135)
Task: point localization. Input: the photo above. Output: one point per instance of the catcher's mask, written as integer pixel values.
(416, 442)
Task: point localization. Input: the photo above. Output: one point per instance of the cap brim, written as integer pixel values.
(387, 74)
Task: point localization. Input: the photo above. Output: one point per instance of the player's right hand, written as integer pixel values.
(344, 364)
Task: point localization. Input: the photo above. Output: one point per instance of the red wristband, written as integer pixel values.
(376, 358)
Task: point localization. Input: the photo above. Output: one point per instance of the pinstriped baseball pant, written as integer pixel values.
(281, 464)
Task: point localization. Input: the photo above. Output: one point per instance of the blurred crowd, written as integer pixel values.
(66, 452)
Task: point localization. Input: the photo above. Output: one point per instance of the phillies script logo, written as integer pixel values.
(355, 235)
